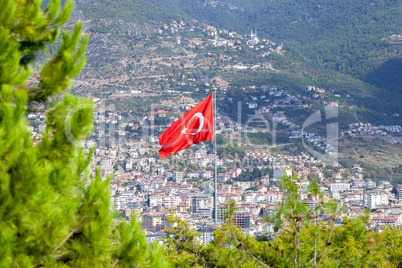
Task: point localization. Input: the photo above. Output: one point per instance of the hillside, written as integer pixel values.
(153, 68)
(355, 38)
(336, 33)
(350, 56)
(139, 11)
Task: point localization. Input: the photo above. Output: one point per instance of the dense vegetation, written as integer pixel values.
(53, 213)
(341, 37)
(307, 238)
(340, 45)
(344, 35)
(135, 10)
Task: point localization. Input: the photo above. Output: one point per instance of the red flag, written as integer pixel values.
(193, 127)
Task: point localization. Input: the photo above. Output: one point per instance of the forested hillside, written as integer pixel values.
(134, 10)
(356, 38)
(351, 47)
(344, 35)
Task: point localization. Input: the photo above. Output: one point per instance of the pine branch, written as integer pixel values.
(327, 244)
(74, 231)
(30, 82)
(244, 250)
(115, 263)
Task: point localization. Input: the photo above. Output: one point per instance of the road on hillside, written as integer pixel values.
(207, 187)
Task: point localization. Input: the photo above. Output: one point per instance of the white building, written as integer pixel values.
(206, 234)
(339, 187)
(302, 185)
(171, 201)
(178, 176)
(375, 200)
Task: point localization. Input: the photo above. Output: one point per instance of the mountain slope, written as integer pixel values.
(350, 37)
(343, 35)
(138, 10)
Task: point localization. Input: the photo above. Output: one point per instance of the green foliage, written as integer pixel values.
(387, 75)
(52, 213)
(182, 244)
(321, 243)
(228, 151)
(391, 242)
(138, 10)
(336, 45)
(255, 174)
(184, 249)
(303, 241)
(342, 35)
(134, 248)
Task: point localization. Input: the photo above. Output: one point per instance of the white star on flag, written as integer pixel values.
(183, 131)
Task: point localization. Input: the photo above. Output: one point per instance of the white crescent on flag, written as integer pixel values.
(201, 118)
(185, 132)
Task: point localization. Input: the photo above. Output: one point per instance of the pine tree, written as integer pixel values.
(52, 213)
(302, 241)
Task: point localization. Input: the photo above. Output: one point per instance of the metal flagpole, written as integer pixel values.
(216, 180)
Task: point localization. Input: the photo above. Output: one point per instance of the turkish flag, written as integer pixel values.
(193, 127)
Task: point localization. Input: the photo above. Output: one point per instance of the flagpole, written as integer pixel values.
(216, 180)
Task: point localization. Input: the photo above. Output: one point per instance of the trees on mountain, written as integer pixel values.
(303, 240)
(52, 212)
